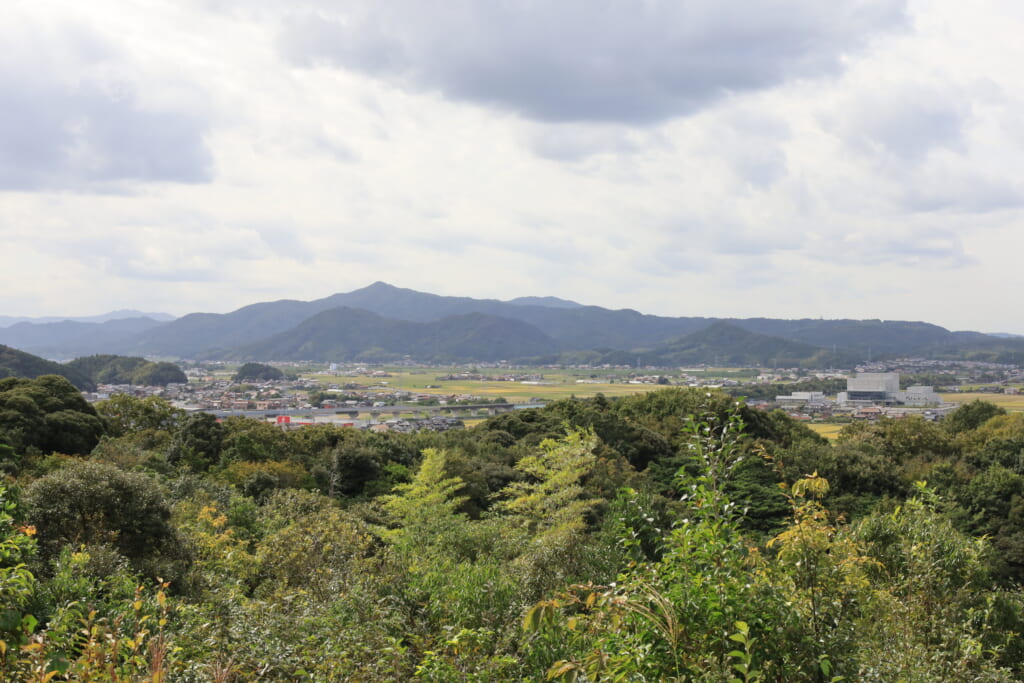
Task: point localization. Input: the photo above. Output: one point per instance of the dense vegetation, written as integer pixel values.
(15, 363)
(257, 371)
(351, 334)
(676, 535)
(110, 369)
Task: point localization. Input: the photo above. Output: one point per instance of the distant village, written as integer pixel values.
(332, 396)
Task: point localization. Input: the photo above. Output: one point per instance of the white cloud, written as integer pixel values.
(580, 60)
(73, 120)
(791, 159)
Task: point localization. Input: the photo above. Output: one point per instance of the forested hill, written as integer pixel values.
(352, 334)
(72, 338)
(543, 322)
(673, 535)
(730, 344)
(15, 363)
(110, 369)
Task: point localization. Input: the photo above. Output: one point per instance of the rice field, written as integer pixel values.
(1011, 402)
(829, 430)
(553, 386)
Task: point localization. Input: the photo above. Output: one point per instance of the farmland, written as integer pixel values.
(549, 384)
(1014, 403)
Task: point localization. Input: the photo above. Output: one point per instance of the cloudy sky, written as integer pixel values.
(782, 158)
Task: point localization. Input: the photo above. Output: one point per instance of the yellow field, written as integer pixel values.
(551, 388)
(826, 429)
(1011, 402)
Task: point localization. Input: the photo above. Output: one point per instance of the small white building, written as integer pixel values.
(802, 398)
(919, 395)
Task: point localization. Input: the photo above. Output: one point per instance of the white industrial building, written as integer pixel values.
(883, 388)
(802, 398)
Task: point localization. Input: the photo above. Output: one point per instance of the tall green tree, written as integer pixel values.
(47, 414)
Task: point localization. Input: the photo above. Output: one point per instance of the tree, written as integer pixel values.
(17, 583)
(97, 504)
(197, 442)
(125, 414)
(257, 371)
(549, 509)
(426, 504)
(47, 414)
(971, 416)
(111, 369)
(158, 374)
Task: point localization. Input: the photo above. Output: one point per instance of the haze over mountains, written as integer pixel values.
(382, 322)
(7, 321)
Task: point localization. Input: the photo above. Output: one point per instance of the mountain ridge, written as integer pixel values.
(546, 327)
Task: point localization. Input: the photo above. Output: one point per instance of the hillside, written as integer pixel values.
(71, 338)
(577, 327)
(875, 337)
(121, 314)
(545, 327)
(110, 369)
(352, 334)
(15, 363)
(724, 343)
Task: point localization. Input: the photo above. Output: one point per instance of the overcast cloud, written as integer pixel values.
(587, 60)
(787, 158)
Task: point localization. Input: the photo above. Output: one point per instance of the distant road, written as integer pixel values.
(354, 412)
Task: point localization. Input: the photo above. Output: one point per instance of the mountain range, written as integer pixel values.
(382, 322)
(7, 320)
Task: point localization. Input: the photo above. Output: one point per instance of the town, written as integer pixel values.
(407, 397)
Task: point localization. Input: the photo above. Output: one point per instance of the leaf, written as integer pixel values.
(563, 669)
(533, 618)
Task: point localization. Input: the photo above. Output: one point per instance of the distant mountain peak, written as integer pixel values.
(379, 285)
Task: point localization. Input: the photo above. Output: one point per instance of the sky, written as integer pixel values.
(779, 158)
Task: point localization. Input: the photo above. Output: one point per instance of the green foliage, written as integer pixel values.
(126, 414)
(731, 345)
(97, 504)
(971, 416)
(722, 560)
(426, 503)
(550, 508)
(253, 441)
(317, 553)
(159, 374)
(17, 584)
(259, 372)
(197, 442)
(110, 369)
(15, 363)
(352, 467)
(47, 414)
(343, 333)
(937, 620)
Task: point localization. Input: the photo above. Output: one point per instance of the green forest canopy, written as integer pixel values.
(15, 363)
(112, 369)
(672, 535)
